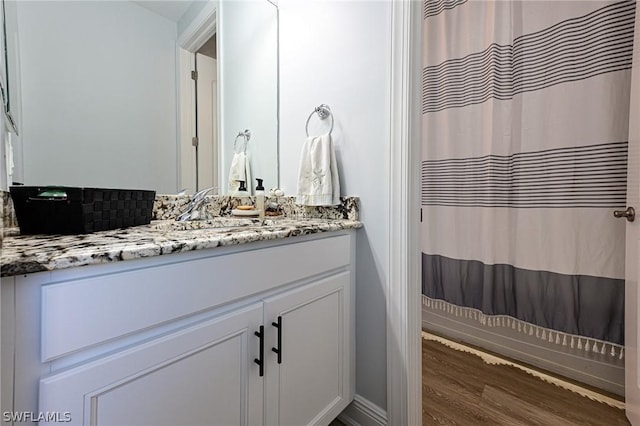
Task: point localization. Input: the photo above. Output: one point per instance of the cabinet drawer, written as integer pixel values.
(83, 312)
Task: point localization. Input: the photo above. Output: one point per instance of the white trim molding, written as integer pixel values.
(362, 412)
(404, 368)
(201, 29)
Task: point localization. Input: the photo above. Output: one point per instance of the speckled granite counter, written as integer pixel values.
(36, 253)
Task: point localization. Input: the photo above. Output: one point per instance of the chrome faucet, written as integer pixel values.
(197, 207)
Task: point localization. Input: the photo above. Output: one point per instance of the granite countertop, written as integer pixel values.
(36, 253)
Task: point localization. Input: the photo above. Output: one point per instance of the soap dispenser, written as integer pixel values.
(260, 198)
(242, 191)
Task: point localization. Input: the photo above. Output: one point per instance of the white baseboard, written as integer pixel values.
(362, 412)
(595, 370)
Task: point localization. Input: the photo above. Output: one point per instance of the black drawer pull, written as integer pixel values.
(278, 350)
(260, 361)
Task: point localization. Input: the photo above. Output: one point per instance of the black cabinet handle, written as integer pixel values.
(260, 361)
(278, 350)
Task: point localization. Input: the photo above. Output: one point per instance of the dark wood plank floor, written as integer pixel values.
(458, 388)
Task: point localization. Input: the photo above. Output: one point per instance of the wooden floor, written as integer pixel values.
(459, 388)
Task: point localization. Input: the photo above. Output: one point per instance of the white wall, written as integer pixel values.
(338, 53)
(98, 95)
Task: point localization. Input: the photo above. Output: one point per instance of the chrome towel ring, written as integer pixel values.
(323, 112)
(246, 135)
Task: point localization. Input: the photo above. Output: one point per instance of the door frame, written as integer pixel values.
(404, 308)
(632, 354)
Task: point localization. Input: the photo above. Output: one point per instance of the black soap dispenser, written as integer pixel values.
(242, 191)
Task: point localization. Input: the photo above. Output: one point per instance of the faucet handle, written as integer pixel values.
(203, 193)
(196, 204)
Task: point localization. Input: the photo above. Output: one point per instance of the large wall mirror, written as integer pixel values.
(102, 93)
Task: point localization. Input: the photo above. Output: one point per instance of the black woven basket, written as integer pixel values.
(71, 210)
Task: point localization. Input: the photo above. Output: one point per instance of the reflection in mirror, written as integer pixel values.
(249, 97)
(4, 75)
(98, 87)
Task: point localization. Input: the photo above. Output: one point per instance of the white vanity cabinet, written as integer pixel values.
(175, 340)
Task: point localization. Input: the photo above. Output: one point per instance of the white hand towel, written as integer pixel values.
(240, 170)
(9, 157)
(318, 181)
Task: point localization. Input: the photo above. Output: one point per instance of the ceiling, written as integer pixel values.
(170, 9)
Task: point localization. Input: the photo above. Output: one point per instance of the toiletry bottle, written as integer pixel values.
(260, 198)
(242, 190)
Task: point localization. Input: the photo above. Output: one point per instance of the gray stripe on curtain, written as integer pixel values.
(435, 7)
(572, 50)
(593, 176)
(576, 304)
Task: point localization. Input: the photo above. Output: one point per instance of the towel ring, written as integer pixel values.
(323, 112)
(246, 135)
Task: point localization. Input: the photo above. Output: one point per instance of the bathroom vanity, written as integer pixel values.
(225, 326)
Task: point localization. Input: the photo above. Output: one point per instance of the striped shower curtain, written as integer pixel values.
(525, 126)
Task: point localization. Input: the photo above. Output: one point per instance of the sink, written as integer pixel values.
(218, 223)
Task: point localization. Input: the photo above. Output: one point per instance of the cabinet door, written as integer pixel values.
(310, 385)
(204, 374)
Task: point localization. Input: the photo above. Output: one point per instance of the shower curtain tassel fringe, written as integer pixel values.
(590, 345)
